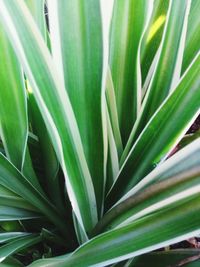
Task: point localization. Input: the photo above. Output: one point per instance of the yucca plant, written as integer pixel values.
(95, 99)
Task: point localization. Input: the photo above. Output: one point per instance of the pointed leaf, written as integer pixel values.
(13, 121)
(124, 59)
(17, 245)
(152, 232)
(193, 35)
(55, 107)
(73, 24)
(12, 179)
(161, 135)
(168, 67)
(13, 214)
(153, 35)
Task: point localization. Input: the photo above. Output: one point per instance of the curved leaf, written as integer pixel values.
(9, 198)
(55, 108)
(14, 214)
(167, 185)
(192, 46)
(73, 24)
(12, 179)
(153, 35)
(124, 59)
(168, 68)
(50, 178)
(13, 121)
(152, 232)
(161, 135)
(5, 237)
(17, 245)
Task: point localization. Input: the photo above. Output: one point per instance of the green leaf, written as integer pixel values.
(55, 107)
(193, 35)
(37, 10)
(152, 232)
(49, 160)
(12, 179)
(12, 214)
(73, 24)
(153, 35)
(112, 160)
(29, 172)
(11, 199)
(167, 185)
(176, 165)
(11, 262)
(48, 156)
(13, 121)
(188, 138)
(188, 257)
(124, 59)
(17, 245)
(168, 67)
(155, 142)
(80, 234)
(8, 236)
(112, 109)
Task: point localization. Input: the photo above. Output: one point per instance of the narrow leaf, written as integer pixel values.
(167, 70)
(12, 179)
(55, 107)
(112, 110)
(124, 59)
(160, 135)
(5, 237)
(17, 245)
(73, 24)
(13, 121)
(152, 232)
(153, 35)
(193, 35)
(13, 214)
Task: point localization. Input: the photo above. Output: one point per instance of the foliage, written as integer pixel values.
(92, 107)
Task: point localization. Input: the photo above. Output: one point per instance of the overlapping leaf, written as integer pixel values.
(168, 66)
(13, 180)
(73, 53)
(13, 121)
(161, 135)
(136, 238)
(153, 35)
(124, 59)
(19, 244)
(152, 202)
(165, 186)
(193, 35)
(55, 107)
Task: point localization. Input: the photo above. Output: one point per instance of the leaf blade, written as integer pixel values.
(150, 233)
(167, 68)
(124, 57)
(55, 107)
(140, 161)
(12, 95)
(77, 23)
